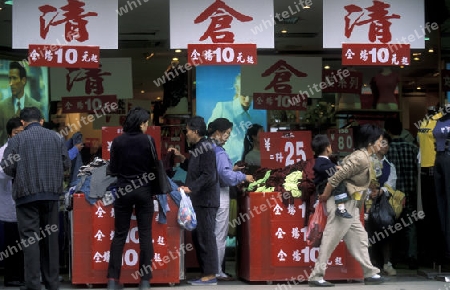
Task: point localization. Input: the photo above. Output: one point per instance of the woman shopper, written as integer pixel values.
(202, 184)
(219, 131)
(357, 172)
(131, 162)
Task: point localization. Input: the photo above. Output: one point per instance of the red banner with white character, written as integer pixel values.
(222, 54)
(92, 104)
(375, 54)
(63, 56)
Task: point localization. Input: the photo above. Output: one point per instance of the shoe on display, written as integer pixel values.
(389, 270)
(320, 283)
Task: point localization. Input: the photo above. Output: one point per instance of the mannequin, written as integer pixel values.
(430, 225)
(441, 133)
(384, 84)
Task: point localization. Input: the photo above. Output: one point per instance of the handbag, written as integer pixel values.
(381, 214)
(160, 183)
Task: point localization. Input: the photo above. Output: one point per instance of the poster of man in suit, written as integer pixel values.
(21, 86)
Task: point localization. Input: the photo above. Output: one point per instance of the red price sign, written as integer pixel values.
(63, 56)
(226, 54)
(109, 133)
(90, 104)
(276, 101)
(281, 149)
(341, 140)
(375, 54)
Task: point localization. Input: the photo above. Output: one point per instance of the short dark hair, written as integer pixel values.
(16, 65)
(198, 124)
(219, 124)
(30, 114)
(394, 126)
(135, 117)
(248, 140)
(387, 137)
(12, 124)
(368, 134)
(319, 143)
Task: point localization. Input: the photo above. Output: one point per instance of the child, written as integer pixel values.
(323, 169)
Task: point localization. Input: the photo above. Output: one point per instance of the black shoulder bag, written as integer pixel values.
(160, 183)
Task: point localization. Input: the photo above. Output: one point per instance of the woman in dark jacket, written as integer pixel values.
(131, 162)
(202, 184)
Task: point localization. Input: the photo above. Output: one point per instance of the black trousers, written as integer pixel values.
(204, 240)
(14, 262)
(38, 228)
(442, 183)
(142, 201)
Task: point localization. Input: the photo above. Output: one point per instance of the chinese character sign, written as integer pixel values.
(374, 21)
(65, 22)
(281, 149)
(216, 54)
(112, 77)
(375, 54)
(221, 21)
(350, 82)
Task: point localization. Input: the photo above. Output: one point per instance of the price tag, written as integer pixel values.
(91, 104)
(275, 101)
(281, 149)
(226, 54)
(376, 54)
(63, 56)
(341, 140)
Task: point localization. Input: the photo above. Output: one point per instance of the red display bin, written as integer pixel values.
(92, 232)
(272, 243)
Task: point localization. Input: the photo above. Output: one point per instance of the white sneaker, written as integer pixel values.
(387, 268)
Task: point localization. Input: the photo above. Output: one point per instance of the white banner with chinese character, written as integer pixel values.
(377, 22)
(287, 76)
(221, 21)
(113, 77)
(64, 22)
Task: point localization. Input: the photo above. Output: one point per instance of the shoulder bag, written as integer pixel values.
(160, 184)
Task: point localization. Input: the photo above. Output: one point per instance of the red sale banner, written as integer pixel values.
(109, 133)
(341, 140)
(277, 101)
(89, 104)
(63, 56)
(226, 54)
(375, 54)
(281, 149)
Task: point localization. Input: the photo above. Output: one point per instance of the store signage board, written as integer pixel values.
(341, 140)
(98, 105)
(396, 22)
(281, 149)
(351, 83)
(222, 54)
(113, 77)
(109, 133)
(375, 54)
(102, 229)
(64, 56)
(65, 22)
(221, 21)
(283, 83)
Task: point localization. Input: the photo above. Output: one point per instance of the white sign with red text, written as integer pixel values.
(113, 77)
(64, 56)
(221, 21)
(65, 22)
(282, 83)
(377, 22)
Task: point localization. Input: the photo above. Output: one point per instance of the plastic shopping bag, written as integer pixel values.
(316, 226)
(381, 214)
(186, 214)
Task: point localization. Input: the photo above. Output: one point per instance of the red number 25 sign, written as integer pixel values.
(281, 149)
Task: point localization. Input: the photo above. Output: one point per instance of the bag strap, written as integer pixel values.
(152, 147)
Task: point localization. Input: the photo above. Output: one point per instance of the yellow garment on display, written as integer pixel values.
(426, 141)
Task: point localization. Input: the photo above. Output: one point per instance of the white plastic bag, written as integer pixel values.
(186, 214)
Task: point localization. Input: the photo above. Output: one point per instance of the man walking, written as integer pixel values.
(37, 159)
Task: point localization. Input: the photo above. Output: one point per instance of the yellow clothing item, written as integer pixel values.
(426, 141)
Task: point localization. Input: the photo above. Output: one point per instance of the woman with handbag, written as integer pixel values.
(357, 171)
(132, 161)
